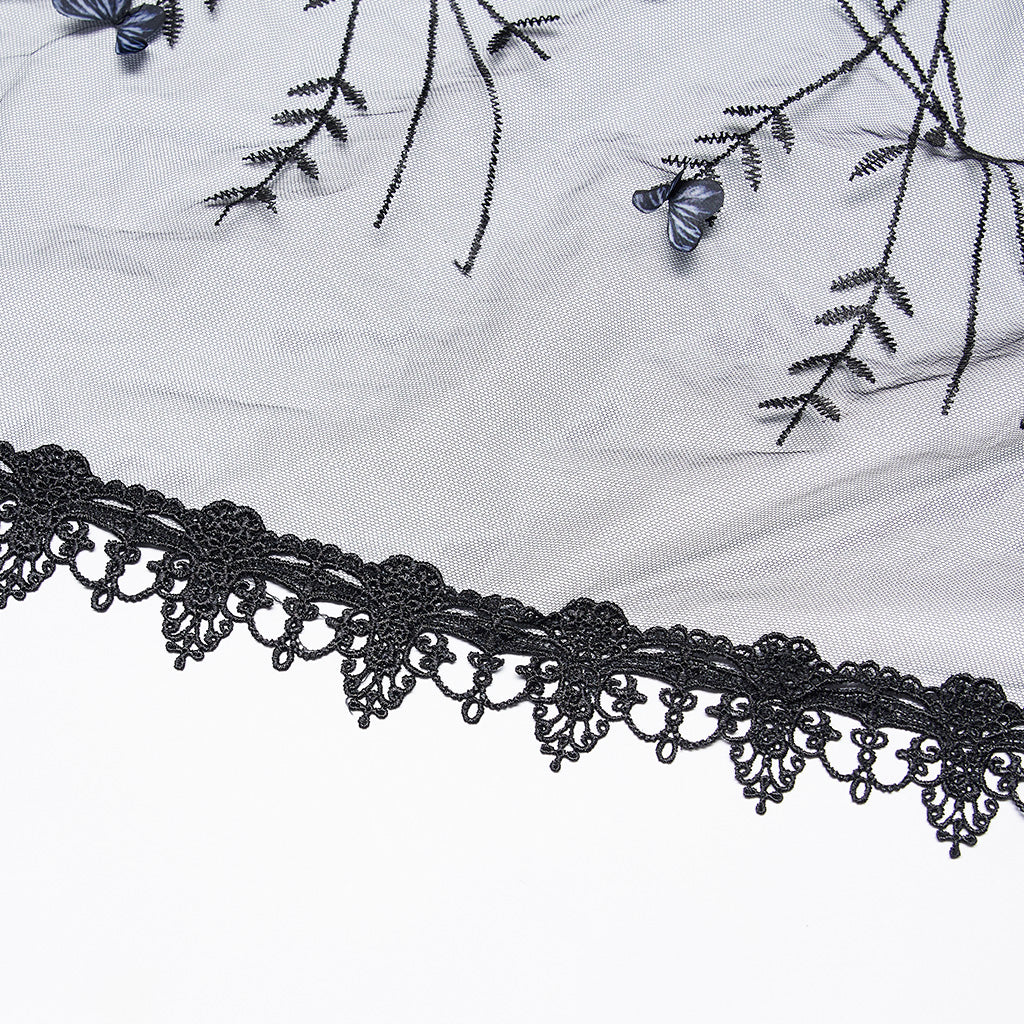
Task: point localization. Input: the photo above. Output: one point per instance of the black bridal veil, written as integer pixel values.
(390, 289)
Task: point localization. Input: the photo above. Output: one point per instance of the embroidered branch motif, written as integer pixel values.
(946, 135)
(174, 20)
(583, 670)
(336, 87)
(516, 30)
(314, 119)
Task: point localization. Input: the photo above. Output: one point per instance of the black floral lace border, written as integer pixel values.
(775, 703)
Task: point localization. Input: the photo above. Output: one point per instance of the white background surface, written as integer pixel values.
(224, 844)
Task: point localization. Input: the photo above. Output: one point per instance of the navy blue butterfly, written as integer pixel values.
(691, 204)
(135, 28)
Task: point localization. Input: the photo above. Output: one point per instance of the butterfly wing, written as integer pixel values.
(689, 210)
(139, 28)
(102, 12)
(647, 200)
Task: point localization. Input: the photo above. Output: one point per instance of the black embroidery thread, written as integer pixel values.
(297, 153)
(496, 119)
(318, 118)
(174, 20)
(417, 113)
(864, 318)
(775, 703)
(517, 30)
(507, 31)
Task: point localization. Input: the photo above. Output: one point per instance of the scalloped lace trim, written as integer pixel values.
(775, 702)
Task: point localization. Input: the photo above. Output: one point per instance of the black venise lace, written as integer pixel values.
(776, 703)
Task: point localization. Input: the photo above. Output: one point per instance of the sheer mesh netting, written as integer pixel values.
(640, 313)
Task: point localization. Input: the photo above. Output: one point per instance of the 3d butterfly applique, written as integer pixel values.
(691, 204)
(135, 28)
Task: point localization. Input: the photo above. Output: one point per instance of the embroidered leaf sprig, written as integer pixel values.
(892, 287)
(174, 20)
(867, 319)
(770, 116)
(314, 119)
(876, 159)
(336, 88)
